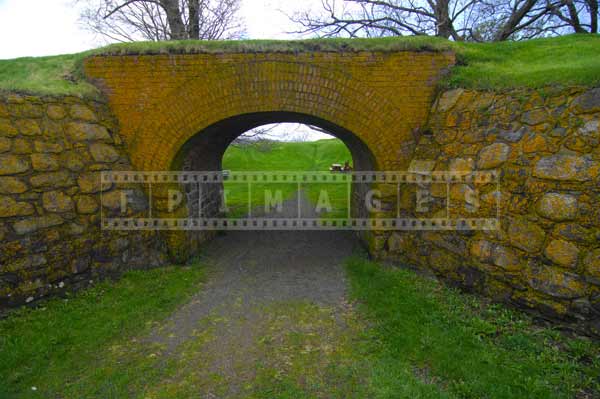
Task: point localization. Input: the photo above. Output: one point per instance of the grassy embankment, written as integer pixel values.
(68, 346)
(567, 60)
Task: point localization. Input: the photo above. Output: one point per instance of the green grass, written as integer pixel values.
(567, 60)
(385, 44)
(55, 75)
(405, 336)
(331, 355)
(70, 345)
(468, 348)
(286, 156)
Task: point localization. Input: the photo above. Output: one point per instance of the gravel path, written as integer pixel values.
(248, 272)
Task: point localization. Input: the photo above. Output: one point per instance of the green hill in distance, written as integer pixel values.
(310, 156)
(286, 156)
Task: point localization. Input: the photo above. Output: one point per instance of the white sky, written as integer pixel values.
(40, 27)
(50, 27)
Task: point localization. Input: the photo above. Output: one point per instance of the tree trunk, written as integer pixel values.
(513, 21)
(593, 5)
(194, 22)
(574, 17)
(444, 26)
(173, 12)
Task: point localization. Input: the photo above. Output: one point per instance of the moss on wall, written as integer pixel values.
(545, 257)
(545, 144)
(52, 150)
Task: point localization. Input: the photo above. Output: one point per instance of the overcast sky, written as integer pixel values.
(50, 27)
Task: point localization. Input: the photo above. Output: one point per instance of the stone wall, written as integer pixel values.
(546, 255)
(545, 143)
(52, 150)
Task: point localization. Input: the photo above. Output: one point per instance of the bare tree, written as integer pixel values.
(130, 20)
(264, 137)
(501, 20)
(375, 18)
(479, 20)
(256, 136)
(580, 15)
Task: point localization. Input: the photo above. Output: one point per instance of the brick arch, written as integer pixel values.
(379, 99)
(161, 101)
(209, 145)
(315, 92)
(205, 151)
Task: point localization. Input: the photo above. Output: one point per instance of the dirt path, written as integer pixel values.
(268, 295)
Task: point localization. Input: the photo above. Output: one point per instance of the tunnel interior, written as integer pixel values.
(205, 150)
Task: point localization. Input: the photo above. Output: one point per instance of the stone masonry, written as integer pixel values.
(178, 112)
(545, 143)
(51, 153)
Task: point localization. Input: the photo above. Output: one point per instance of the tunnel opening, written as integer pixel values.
(282, 149)
(206, 151)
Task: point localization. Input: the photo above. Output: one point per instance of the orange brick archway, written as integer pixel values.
(181, 111)
(205, 150)
(198, 105)
(162, 101)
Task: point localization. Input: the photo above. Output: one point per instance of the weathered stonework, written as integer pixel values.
(183, 110)
(546, 256)
(558, 207)
(180, 112)
(50, 232)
